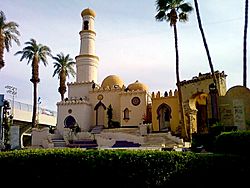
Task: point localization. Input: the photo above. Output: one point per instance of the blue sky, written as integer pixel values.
(129, 43)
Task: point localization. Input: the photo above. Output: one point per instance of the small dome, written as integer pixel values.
(88, 12)
(137, 86)
(238, 91)
(112, 81)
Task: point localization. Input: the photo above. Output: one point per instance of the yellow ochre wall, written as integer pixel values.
(171, 101)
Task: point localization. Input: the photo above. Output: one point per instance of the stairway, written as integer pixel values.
(59, 142)
(85, 143)
(124, 143)
(97, 129)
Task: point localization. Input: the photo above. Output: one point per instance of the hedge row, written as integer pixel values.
(235, 142)
(121, 168)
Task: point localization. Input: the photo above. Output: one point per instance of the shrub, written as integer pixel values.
(236, 142)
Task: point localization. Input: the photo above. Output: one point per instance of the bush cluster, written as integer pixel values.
(121, 168)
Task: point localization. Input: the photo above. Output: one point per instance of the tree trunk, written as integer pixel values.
(34, 123)
(35, 80)
(183, 126)
(62, 88)
(245, 46)
(1, 50)
(205, 42)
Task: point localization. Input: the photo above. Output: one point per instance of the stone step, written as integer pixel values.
(59, 143)
(124, 143)
(85, 143)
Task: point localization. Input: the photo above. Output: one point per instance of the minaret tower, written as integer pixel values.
(87, 61)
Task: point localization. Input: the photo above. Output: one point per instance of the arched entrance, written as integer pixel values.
(163, 116)
(201, 116)
(100, 109)
(69, 122)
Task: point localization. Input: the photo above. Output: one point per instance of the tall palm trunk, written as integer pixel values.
(34, 123)
(183, 126)
(1, 49)
(204, 41)
(62, 88)
(35, 80)
(245, 46)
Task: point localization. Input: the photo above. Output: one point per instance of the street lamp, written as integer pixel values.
(39, 101)
(13, 91)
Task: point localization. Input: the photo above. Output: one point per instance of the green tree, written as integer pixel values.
(172, 11)
(64, 66)
(245, 46)
(35, 52)
(8, 33)
(205, 41)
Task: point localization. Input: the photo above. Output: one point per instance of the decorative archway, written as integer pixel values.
(198, 103)
(69, 122)
(100, 109)
(164, 116)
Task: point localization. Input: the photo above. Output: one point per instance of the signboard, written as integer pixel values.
(239, 114)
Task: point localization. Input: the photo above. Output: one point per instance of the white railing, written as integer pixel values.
(29, 108)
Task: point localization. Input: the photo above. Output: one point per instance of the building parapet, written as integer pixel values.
(201, 77)
(166, 94)
(74, 100)
(82, 83)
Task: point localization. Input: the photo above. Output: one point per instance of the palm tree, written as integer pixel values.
(245, 46)
(204, 41)
(8, 32)
(172, 11)
(63, 67)
(35, 52)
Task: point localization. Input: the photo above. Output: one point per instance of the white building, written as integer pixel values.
(88, 101)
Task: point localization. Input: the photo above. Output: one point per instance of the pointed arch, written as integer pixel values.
(126, 114)
(164, 116)
(100, 109)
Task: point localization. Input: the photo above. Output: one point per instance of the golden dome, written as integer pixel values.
(137, 86)
(88, 12)
(112, 81)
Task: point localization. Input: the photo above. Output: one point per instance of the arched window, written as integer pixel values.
(69, 122)
(86, 25)
(100, 109)
(126, 114)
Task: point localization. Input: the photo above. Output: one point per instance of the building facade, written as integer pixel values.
(112, 103)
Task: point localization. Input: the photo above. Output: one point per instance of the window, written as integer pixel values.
(126, 114)
(136, 101)
(86, 25)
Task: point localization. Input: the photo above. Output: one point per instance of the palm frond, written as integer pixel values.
(160, 16)
(185, 7)
(183, 17)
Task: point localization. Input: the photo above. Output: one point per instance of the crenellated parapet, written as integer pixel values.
(74, 100)
(159, 95)
(82, 83)
(107, 89)
(204, 76)
(134, 92)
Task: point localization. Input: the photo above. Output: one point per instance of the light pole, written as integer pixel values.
(13, 91)
(39, 101)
